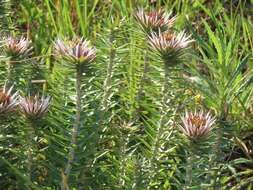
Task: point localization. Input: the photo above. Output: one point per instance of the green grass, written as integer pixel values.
(115, 145)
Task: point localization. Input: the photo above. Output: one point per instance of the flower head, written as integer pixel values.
(170, 46)
(154, 21)
(17, 47)
(197, 125)
(75, 51)
(34, 107)
(8, 101)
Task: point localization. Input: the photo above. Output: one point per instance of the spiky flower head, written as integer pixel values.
(76, 51)
(17, 48)
(197, 125)
(34, 107)
(8, 101)
(154, 20)
(170, 46)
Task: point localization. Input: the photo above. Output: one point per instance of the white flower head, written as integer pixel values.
(8, 101)
(154, 20)
(170, 46)
(34, 107)
(17, 47)
(75, 51)
(197, 125)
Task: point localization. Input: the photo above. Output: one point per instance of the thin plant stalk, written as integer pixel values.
(162, 122)
(103, 107)
(138, 177)
(107, 86)
(141, 86)
(163, 112)
(31, 149)
(14, 75)
(10, 71)
(189, 167)
(108, 80)
(123, 159)
(214, 158)
(76, 126)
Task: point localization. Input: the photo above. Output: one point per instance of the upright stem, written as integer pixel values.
(76, 126)
(214, 160)
(9, 72)
(188, 181)
(162, 121)
(138, 177)
(13, 76)
(107, 90)
(108, 80)
(163, 112)
(123, 157)
(141, 86)
(31, 149)
(104, 106)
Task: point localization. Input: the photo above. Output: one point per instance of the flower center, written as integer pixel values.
(152, 14)
(158, 15)
(4, 99)
(168, 36)
(197, 121)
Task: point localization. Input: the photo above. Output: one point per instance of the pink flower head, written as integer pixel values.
(197, 125)
(170, 46)
(154, 21)
(75, 51)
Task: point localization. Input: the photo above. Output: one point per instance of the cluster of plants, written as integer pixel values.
(126, 94)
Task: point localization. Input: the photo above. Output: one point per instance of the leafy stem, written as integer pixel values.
(108, 80)
(76, 126)
(162, 121)
(141, 85)
(189, 167)
(31, 149)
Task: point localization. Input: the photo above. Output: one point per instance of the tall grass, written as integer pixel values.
(122, 142)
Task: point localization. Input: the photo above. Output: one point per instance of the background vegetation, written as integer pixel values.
(118, 144)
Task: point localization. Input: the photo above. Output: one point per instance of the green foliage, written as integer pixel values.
(119, 143)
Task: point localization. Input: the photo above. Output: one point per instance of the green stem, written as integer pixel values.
(104, 107)
(76, 126)
(188, 181)
(108, 80)
(9, 72)
(123, 157)
(138, 177)
(136, 114)
(162, 121)
(13, 74)
(216, 155)
(31, 149)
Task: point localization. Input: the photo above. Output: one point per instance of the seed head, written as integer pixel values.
(75, 51)
(154, 21)
(17, 48)
(197, 125)
(8, 101)
(34, 107)
(170, 46)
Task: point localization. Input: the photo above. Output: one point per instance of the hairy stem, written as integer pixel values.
(138, 177)
(104, 106)
(108, 80)
(76, 126)
(14, 75)
(162, 122)
(31, 149)
(9, 72)
(141, 86)
(188, 181)
(214, 158)
(123, 159)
